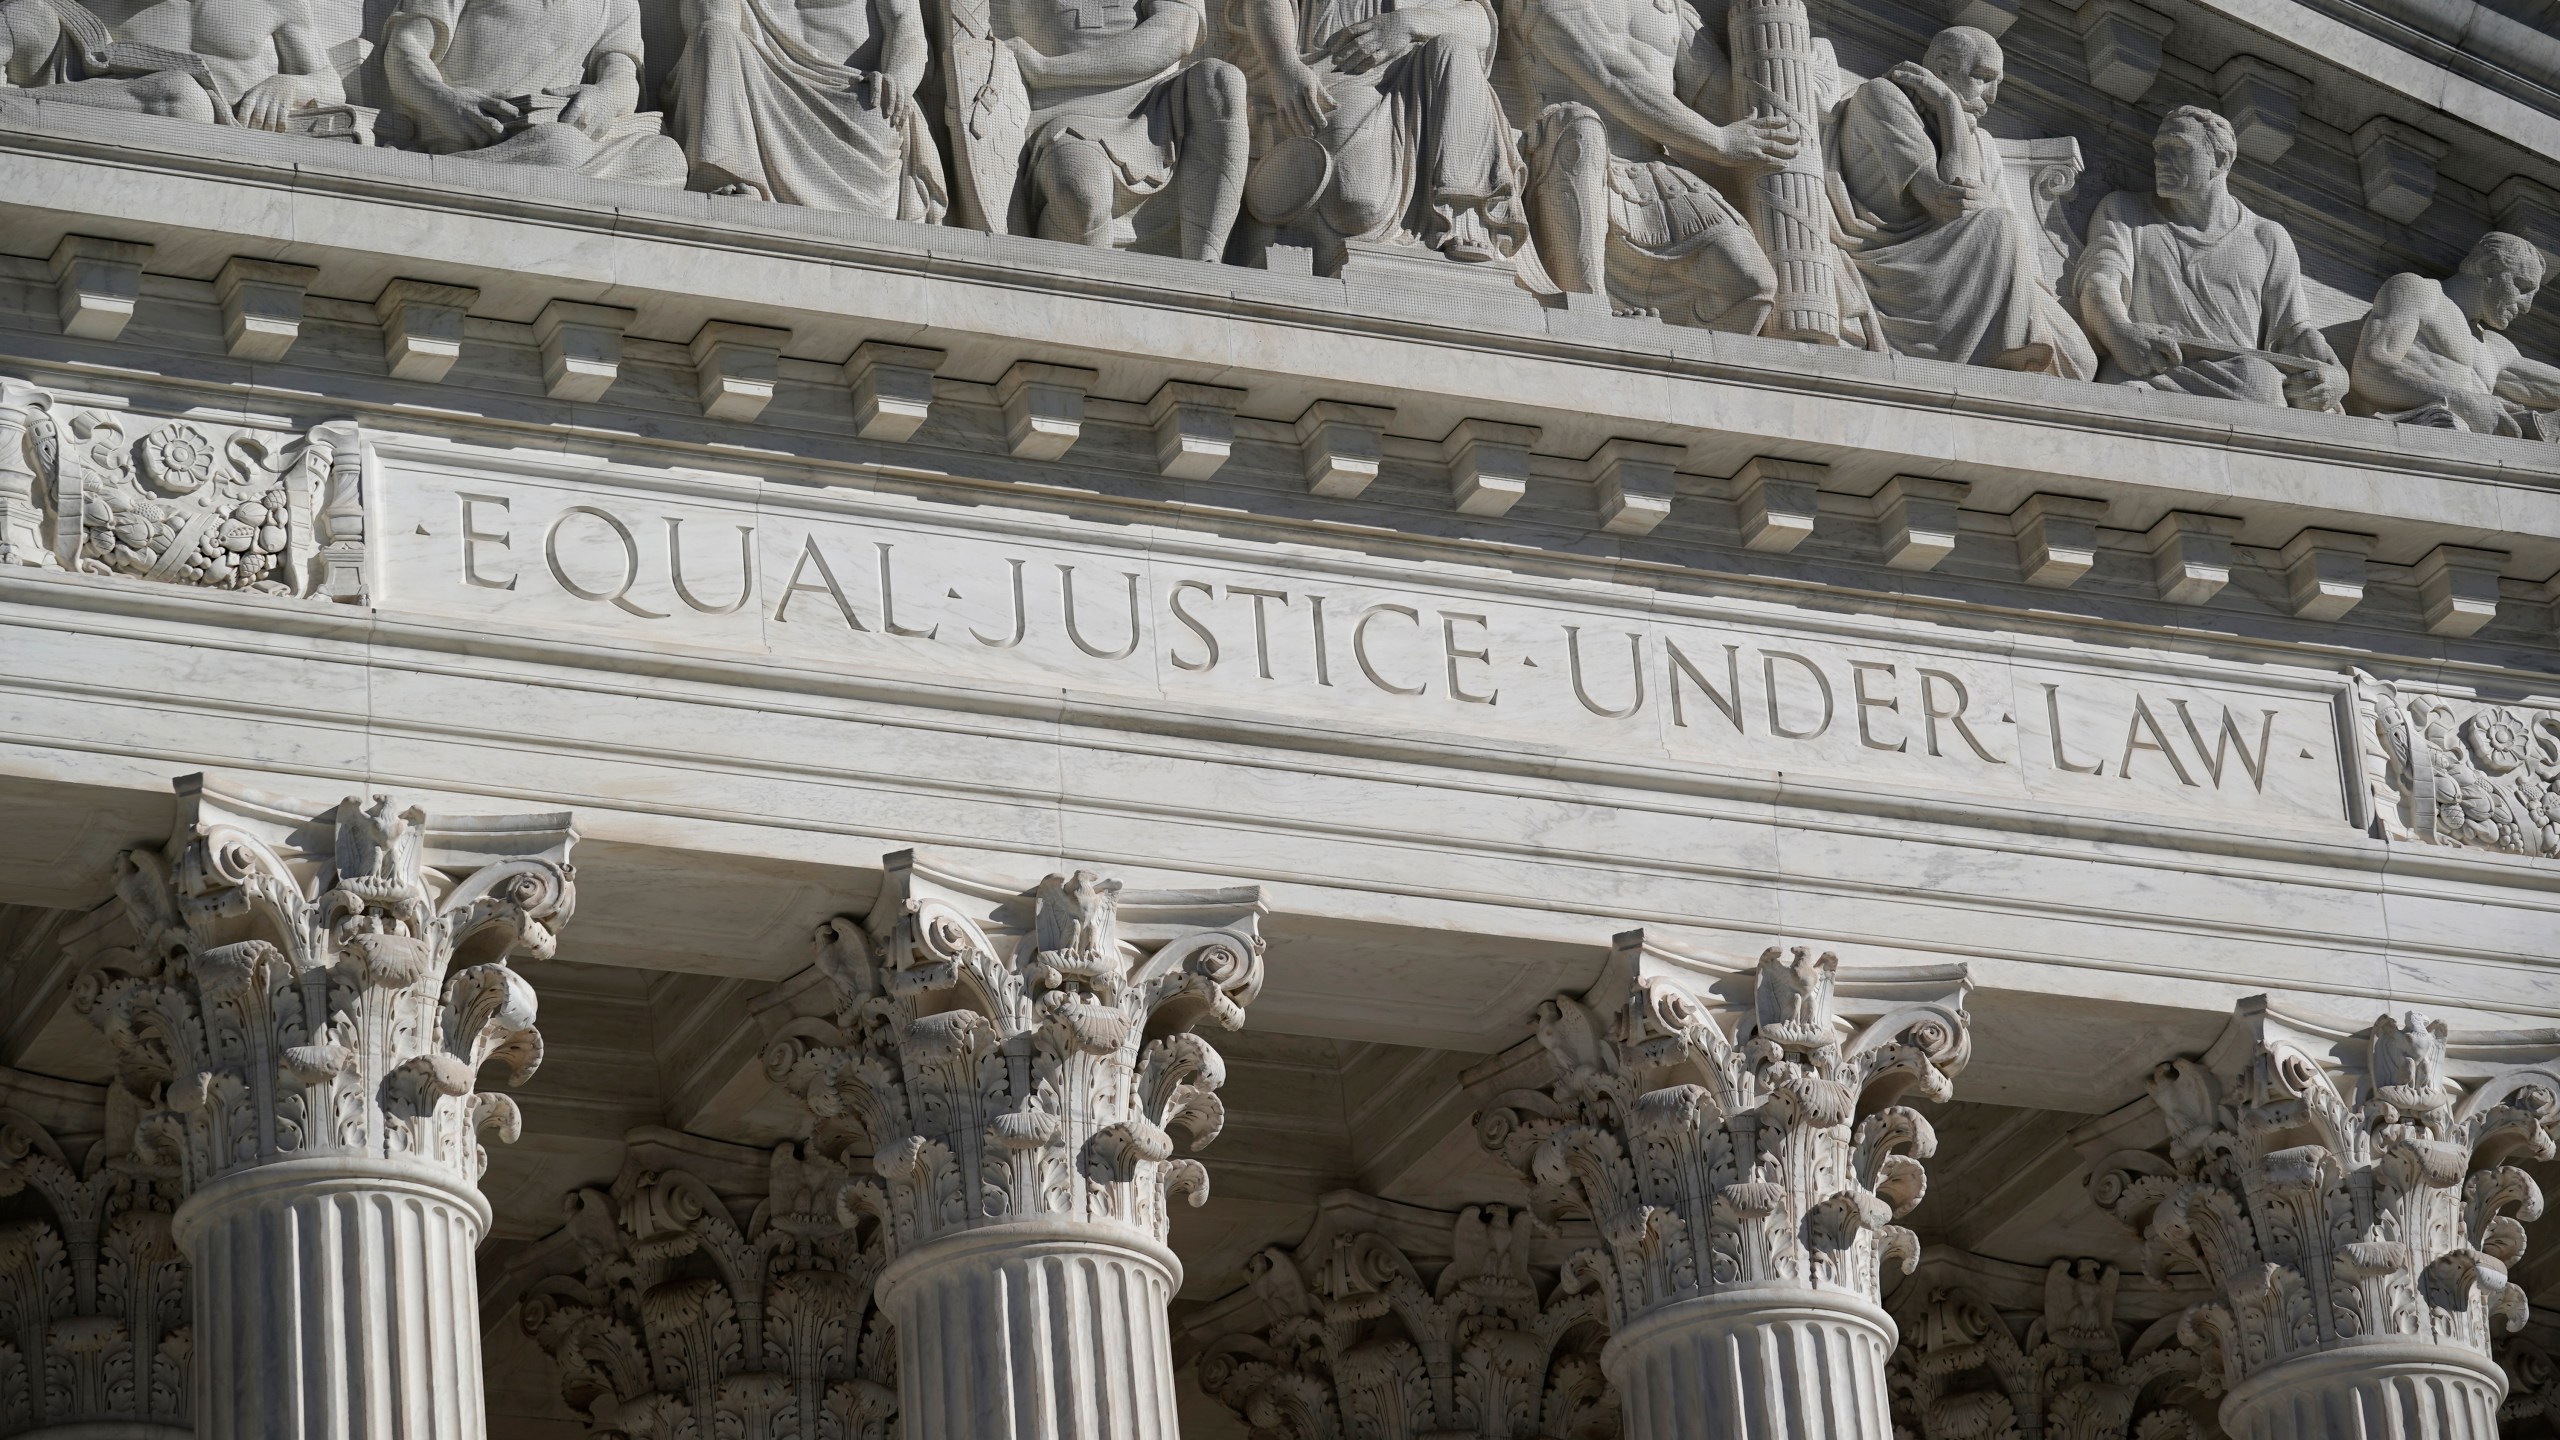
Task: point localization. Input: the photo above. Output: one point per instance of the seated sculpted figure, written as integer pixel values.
(229, 62)
(1945, 261)
(1371, 123)
(1131, 141)
(2436, 352)
(810, 103)
(2188, 289)
(529, 82)
(1617, 155)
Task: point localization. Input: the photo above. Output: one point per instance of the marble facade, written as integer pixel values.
(1278, 721)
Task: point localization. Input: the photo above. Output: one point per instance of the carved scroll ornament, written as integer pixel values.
(331, 985)
(1710, 1158)
(1358, 1344)
(1005, 1056)
(2340, 1190)
(683, 1322)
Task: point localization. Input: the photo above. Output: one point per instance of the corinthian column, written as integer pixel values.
(2342, 1193)
(1744, 1207)
(1016, 1065)
(304, 1013)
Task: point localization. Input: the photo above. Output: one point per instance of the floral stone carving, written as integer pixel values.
(1744, 1180)
(1966, 1372)
(302, 1009)
(181, 501)
(1017, 1066)
(682, 1322)
(2454, 771)
(2344, 1195)
(334, 986)
(94, 1322)
(1358, 1344)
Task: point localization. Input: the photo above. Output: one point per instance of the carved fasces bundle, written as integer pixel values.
(1773, 1154)
(2339, 1189)
(300, 985)
(681, 1321)
(1006, 1056)
(1354, 1342)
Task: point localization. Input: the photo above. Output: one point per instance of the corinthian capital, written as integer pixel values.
(1008, 1055)
(1719, 1144)
(1407, 1324)
(2344, 1192)
(306, 983)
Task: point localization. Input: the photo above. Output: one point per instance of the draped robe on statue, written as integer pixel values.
(758, 105)
(2235, 282)
(1965, 290)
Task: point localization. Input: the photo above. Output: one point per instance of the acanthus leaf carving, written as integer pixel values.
(1004, 1055)
(1355, 1341)
(683, 1321)
(301, 985)
(2338, 1188)
(1710, 1158)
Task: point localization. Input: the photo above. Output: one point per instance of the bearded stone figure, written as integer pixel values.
(552, 83)
(2435, 352)
(1618, 153)
(1946, 264)
(1378, 122)
(255, 63)
(809, 104)
(2187, 289)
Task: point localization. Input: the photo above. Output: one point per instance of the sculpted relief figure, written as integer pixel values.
(529, 82)
(1618, 151)
(1090, 121)
(1375, 121)
(2436, 352)
(809, 103)
(231, 62)
(1947, 265)
(2190, 290)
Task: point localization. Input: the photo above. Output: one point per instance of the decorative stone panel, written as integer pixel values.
(2449, 769)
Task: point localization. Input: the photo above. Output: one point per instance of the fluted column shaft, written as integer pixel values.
(336, 1300)
(2387, 1390)
(1756, 1362)
(1038, 1330)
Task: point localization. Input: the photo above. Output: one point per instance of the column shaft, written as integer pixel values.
(336, 1300)
(1755, 1363)
(1035, 1331)
(2385, 1391)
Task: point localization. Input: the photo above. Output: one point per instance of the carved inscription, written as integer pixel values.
(1488, 667)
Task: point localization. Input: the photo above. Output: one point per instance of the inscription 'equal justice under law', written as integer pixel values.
(1410, 650)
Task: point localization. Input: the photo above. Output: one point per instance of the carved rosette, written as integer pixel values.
(181, 501)
(2449, 770)
(94, 1323)
(1744, 1182)
(2343, 1193)
(682, 1321)
(1357, 1344)
(1016, 1066)
(303, 1015)
(1966, 1372)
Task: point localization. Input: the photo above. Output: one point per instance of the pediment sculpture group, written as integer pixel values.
(1705, 161)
